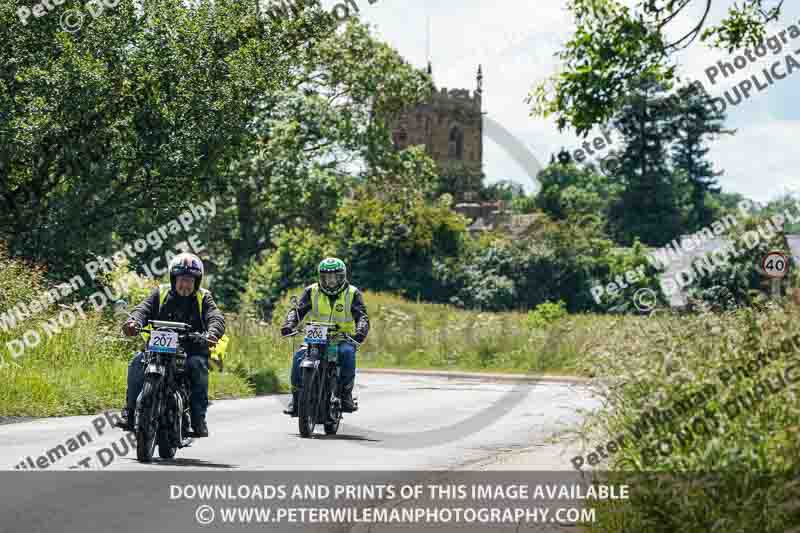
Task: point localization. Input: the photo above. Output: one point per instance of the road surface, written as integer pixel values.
(405, 423)
(253, 434)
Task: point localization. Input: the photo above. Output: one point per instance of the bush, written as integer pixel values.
(392, 244)
(292, 263)
(387, 244)
(20, 282)
(545, 313)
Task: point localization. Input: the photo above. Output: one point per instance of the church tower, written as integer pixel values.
(449, 124)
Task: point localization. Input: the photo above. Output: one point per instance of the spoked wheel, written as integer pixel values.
(166, 448)
(305, 408)
(147, 434)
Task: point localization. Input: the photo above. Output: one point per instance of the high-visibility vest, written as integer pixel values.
(218, 352)
(340, 314)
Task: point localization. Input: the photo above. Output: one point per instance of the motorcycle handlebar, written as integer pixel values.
(195, 336)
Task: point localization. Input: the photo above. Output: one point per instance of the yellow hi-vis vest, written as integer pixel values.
(340, 314)
(218, 352)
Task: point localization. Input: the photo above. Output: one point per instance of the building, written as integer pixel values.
(450, 126)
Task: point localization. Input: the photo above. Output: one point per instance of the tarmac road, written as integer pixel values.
(405, 423)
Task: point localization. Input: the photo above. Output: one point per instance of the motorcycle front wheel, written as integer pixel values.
(166, 447)
(147, 428)
(306, 403)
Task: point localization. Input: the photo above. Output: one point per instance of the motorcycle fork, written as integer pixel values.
(155, 406)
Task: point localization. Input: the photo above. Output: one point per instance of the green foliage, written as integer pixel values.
(556, 261)
(615, 44)
(694, 123)
(545, 313)
(292, 263)
(458, 178)
(621, 262)
(523, 205)
(296, 164)
(736, 281)
(20, 281)
(391, 244)
(572, 191)
(733, 477)
(649, 207)
(405, 334)
(101, 127)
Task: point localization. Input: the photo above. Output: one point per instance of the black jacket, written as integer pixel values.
(183, 309)
(357, 308)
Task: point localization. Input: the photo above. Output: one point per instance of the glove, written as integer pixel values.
(130, 328)
(286, 330)
(212, 341)
(359, 337)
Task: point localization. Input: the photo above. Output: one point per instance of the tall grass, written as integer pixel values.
(738, 474)
(407, 334)
(82, 370)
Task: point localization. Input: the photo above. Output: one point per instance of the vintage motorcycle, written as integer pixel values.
(162, 409)
(319, 398)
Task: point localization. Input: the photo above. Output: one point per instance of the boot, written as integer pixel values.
(291, 409)
(199, 428)
(348, 404)
(126, 420)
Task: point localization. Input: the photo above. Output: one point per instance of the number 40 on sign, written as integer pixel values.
(774, 265)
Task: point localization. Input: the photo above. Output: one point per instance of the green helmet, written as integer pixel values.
(332, 275)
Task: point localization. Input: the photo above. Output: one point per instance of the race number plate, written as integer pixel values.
(316, 334)
(163, 342)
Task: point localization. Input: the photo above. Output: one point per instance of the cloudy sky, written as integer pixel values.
(515, 40)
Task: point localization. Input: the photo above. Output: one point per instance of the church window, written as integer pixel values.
(456, 146)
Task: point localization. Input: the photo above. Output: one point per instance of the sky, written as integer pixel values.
(514, 41)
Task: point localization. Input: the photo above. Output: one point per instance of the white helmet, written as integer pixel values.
(186, 264)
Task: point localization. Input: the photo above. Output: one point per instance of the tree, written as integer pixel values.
(307, 142)
(114, 129)
(614, 45)
(649, 205)
(393, 242)
(568, 190)
(695, 123)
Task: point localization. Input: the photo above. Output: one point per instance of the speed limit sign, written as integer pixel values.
(775, 265)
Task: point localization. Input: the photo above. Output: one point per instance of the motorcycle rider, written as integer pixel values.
(331, 299)
(181, 301)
